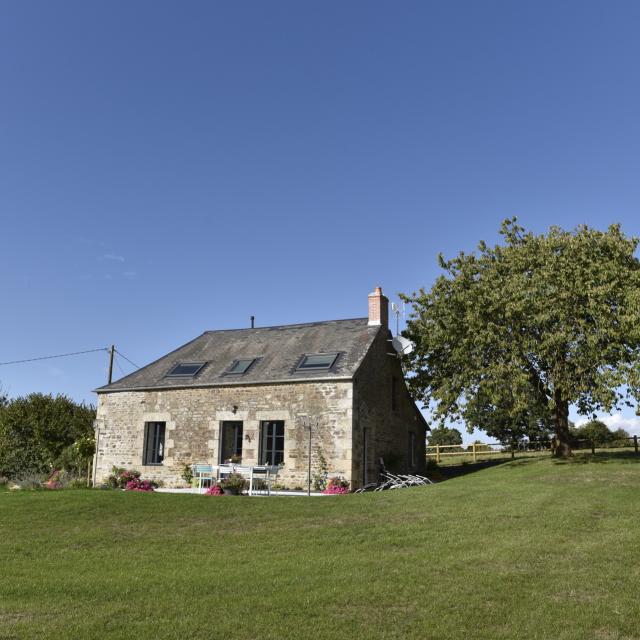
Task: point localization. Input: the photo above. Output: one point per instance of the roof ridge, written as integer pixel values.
(284, 326)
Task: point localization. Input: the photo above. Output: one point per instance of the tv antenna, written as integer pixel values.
(395, 308)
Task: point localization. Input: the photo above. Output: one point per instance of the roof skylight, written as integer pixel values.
(317, 361)
(240, 366)
(185, 370)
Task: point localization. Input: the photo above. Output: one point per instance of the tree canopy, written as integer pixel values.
(511, 335)
(444, 435)
(598, 433)
(38, 432)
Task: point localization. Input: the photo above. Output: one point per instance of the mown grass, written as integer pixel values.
(528, 549)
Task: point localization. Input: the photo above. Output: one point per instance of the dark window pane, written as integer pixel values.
(241, 366)
(153, 452)
(272, 442)
(186, 369)
(318, 361)
(231, 440)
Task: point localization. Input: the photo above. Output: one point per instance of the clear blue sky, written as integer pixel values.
(167, 168)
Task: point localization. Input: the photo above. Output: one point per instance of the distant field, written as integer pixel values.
(527, 549)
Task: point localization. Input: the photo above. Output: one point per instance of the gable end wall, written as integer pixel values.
(382, 430)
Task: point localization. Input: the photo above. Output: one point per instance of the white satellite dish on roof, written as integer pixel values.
(402, 346)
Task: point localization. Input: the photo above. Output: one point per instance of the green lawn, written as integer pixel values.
(527, 549)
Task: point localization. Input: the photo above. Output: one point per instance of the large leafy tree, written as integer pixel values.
(38, 432)
(444, 436)
(510, 336)
(595, 431)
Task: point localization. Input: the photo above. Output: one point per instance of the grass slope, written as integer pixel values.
(529, 549)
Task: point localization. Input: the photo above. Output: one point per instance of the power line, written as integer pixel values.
(62, 355)
(119, 367)
(127, 359)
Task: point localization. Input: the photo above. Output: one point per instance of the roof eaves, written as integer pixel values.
(215, 385)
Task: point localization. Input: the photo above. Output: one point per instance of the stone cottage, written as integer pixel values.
(252, 394)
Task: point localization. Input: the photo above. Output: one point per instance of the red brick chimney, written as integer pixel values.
(378, 308)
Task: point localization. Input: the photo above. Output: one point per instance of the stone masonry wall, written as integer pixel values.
(379, 427)
(193, 418)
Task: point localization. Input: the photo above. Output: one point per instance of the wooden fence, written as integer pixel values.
(477, 449)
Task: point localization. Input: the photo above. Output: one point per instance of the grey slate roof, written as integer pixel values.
(278, 349)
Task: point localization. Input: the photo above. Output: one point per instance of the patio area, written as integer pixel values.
(278, 492)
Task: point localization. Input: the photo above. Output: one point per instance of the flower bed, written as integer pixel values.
(336, 485)
(140, 485)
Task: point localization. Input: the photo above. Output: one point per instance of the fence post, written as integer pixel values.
(593, 447)
(635, 444)
(437, 453)
(474, 451)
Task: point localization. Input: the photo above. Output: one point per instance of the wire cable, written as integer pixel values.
(62, 355)
(127, 359)
(119, 367)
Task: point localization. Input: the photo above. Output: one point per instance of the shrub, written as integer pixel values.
(61, 479)
(35, 431)
(320, 477)
(234, 482)
(140, 485)
(336, 485)
(55, 480)
(215, 490)
(120, 477)
(77, 483)
(187, 473)
(29, 482)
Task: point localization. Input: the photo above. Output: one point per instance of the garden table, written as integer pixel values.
(263, 472)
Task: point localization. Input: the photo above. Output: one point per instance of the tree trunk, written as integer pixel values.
(561, 445)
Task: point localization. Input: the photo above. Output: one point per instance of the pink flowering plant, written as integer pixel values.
(54, 481)
(140, 485)
(120, 477)
(62, 479)
(214, 490)
(336, 485)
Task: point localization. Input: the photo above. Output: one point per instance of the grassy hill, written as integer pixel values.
(528, 549)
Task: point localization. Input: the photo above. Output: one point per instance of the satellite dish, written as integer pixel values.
(402, 345)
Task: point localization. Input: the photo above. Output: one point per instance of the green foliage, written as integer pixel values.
(120, 477)
(595, 431)
(598, 433)
(621, 438)
(479, 447)
(233, 482)
(511, 335)
(37, 432)
(322, 471)
(29, 482)
(187, 473)
(444, 435)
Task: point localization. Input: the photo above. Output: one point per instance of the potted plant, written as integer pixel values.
(233, 484)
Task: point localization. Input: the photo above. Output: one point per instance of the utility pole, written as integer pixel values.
(111, 352)
(309, 477)
(308, 425)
